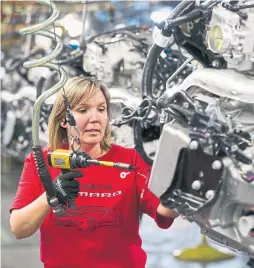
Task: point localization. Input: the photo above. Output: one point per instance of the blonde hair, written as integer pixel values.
(74, 89)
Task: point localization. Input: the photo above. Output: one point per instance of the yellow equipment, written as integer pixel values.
(203, 253)
(67, 159)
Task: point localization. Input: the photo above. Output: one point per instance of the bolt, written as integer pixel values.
(196, 185)
(234, 148)
(209, 194)
(190, 26)
(224, 241)
(193, 145)
(216, 165)
(215, 64)
(201, 174)
(203, 230)
(186, 105)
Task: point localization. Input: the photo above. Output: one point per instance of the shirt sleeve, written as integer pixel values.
(148, 201)
(29, 187)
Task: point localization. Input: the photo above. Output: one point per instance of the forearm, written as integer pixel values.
(166, 212)
(26, 221)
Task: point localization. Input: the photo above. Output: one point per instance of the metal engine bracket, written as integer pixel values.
(196, 182)
(193, 181)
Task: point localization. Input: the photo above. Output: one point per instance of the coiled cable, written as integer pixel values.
(46, 61)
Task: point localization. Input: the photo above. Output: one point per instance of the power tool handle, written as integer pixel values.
(71, 201)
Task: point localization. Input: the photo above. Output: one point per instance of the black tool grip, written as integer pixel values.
(71, 202)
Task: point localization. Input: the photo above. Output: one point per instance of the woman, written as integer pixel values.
(103, 230)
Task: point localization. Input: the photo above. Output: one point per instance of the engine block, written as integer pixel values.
(214, 197)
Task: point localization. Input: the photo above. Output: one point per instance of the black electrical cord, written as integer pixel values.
(137, 130)
(147, 78)
(154, 53)
(237, 9)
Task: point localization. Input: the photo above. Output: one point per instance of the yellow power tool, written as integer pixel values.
(67, 159)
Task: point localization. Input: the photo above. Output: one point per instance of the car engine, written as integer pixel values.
(203, 167)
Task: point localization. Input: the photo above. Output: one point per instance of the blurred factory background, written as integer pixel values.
(109, 40)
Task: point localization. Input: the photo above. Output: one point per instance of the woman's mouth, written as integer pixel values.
(92, 130)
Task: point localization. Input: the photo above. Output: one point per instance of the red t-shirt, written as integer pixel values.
(103, 231)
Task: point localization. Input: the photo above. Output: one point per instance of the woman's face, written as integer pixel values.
(91, 119)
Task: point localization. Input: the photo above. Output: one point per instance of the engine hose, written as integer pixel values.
(114, 31)
(146, 85)
(24, 75)
(13, 63)
(45, 62)
(74, 58)
(17, 61)
(154, 53)
(139, 143)
(39, 86)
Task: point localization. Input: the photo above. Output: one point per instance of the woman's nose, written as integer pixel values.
(93, 116)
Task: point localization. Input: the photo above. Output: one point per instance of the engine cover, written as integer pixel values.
(173, 138)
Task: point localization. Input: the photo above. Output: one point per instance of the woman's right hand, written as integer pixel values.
(26, 221)
(66, 187)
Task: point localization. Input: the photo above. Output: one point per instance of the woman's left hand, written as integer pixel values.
(167, 212)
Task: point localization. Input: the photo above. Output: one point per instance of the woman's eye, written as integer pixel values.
(101, 110)
(82, 111)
